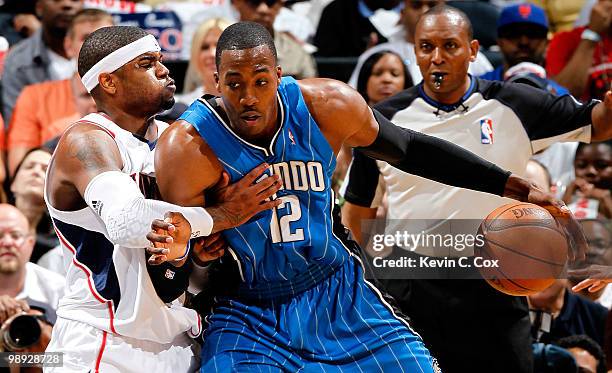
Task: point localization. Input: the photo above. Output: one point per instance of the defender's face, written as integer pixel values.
(247, 81)
(145, 86)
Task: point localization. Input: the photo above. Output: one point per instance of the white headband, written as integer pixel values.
(119, 58)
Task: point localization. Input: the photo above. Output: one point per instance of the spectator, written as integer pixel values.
(44, 110)
(23, 282)
(588, 354)
(27, 189)
(599, 237)
(522, 31)
(18, 20)
(538, 173)
(42, 56)
(202, 58)
(580, 59)
(589, 193)
(570, 314)
(2, 158)
(548, 358)
(292, 56)
(402, 43)
(383, 74)
(561, 13)
(345, 30)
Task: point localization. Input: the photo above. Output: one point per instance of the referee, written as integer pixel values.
(468, 326)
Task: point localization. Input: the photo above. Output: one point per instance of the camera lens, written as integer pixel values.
(23, 332)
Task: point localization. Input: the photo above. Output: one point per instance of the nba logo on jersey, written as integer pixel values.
(291, 138)
(486, 131)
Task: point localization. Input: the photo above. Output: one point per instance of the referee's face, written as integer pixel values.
(444, 50)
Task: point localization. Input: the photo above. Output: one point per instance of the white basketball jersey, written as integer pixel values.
(108, 286)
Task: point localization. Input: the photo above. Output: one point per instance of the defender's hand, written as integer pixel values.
(206, 249)
(235, 204)
(169, 237)
(526, 191)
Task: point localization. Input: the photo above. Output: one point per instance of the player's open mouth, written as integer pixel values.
(250, 118)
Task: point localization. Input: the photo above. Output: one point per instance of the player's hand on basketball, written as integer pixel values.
(169, 238)
(526, 191)
(10, 306)
(234, 204)
(597, 277)
(209, 248)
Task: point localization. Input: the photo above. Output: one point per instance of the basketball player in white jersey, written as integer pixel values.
(120, 314)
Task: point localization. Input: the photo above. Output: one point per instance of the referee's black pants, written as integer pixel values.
(466, 324)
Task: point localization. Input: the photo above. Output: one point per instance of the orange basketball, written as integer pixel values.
(529, 245)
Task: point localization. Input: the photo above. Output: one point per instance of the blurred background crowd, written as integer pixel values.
(562, 46)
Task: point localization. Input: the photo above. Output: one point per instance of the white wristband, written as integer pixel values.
(200, 220)
(590, 35)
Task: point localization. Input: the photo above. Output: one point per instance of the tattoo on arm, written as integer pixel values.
(90, 153)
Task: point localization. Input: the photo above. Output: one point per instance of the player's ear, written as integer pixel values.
(107, 83)
(279, 73)
(474, 47)
(216, 75)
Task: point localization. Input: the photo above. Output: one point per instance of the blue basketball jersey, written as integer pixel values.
(292, 245)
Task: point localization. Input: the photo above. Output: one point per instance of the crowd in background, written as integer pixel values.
(563, 46)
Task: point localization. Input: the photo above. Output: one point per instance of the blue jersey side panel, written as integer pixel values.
(294, 241)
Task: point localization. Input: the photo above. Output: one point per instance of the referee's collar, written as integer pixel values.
(445, 107)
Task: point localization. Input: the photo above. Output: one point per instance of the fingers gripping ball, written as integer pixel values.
(529, 245)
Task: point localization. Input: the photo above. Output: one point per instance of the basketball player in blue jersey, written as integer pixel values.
(300, 302)
(120, 314)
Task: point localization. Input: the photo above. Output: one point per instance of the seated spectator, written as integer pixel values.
(563, 313)
(292, 56)
(2, 157)
(599, 237)
(42, 56)
(23, 283)
(589, 194)
(202, 58)
(383, 74)
(588, 354)
(27, 189)
(18, 20)
(522, 31)
(345, 30)
(402, 43)
(561, 13)
(44, 110)
(548, 358)
(580, 59)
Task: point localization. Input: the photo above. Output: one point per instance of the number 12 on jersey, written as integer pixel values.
(280, 227)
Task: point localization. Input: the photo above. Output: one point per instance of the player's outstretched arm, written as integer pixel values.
(186, 168)
(344, 117)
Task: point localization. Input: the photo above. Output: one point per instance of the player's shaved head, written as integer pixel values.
(456, 18)
(244, 35)
(103, 42)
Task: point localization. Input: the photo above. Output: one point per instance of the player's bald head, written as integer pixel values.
(454, 17)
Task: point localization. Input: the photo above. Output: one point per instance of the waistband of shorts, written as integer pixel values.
(272, 291)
